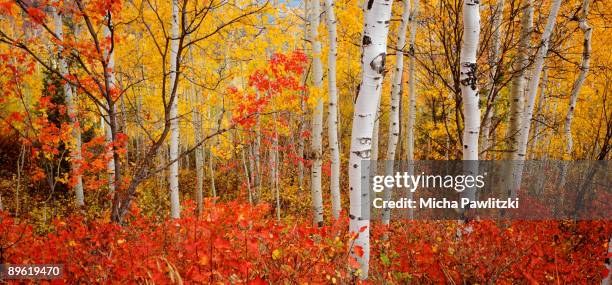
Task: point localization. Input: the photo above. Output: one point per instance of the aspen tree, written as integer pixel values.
(106, 122)
(75, 152)
(196, 121)
(518, 83)
(411, 81)
(469, 80)
(394, 116)
(332, 111)
(532, 88)
(494, 62)
(377, 15)
(584, 69)
(173, 182)
(317, 116)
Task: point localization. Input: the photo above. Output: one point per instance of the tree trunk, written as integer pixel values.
(396, 93)
(498, 16)
(411, 82)
(469, 80)
(584, 69)
(518, 83)
(196, 122)
(175, 210)
(317, 117)
(377, 15)
(332, 118)
(538, 122)
(75, 151)
(532, 89)
(110, 123)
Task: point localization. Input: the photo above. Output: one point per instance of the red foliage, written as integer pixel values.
(237, 243)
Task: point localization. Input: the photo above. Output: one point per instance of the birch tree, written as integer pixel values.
(584, 69)
(175, 210)
(377, 15)
(411, 81)
(518, 82)
(196, 121)
(532, 88)
(394, 115)
(317, 116)
(494, 63)
(469, 80)
(75, 152)
(111, 112)
(332, 111)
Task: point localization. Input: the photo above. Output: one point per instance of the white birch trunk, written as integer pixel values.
(173, 182)
(518, 83)
(538, 122)
(532, 89)
(584, 69)
(332, 115)
(394, 115)
(377, 15)
(494, 63)
(196, 121)
(469, 81)
(108, 135)
(411, 82)
(75, 151)
(317, 117)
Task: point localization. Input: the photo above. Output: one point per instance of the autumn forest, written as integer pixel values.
(234, 141)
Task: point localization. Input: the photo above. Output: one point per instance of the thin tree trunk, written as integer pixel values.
(332, 118)
(411, 82)
(394, 120)
(175, 210)
(196, 122)
(317, 117)
(584, 69)
(531, 92)
(491, 84)
(75, 144)
(518, 83)
(106, 122)
(377, 15)
(110, 123)
(539, 117)
(532, 89)
(469, 80)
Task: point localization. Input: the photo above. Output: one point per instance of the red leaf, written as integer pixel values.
(358, 250)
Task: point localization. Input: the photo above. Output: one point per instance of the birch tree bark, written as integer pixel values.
(491, 84)
(175, 211)
(75, 151)
(532, 88)
(377, 15)
(411, 82)
(317, 116)
(540, 116)
(394, 115)
(468, 78)
(518, 83)
(108, 122)
(332, 111)
(584, 69)
(196, 121)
